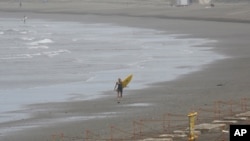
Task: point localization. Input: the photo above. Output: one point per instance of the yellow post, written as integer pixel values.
(192, 117)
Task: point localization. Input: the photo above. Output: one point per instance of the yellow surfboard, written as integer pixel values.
(127, 80)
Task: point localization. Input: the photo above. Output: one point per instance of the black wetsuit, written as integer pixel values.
(119, 88)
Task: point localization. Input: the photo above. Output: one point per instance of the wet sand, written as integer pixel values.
(221, 80)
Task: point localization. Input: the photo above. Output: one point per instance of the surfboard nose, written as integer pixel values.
(127, 80)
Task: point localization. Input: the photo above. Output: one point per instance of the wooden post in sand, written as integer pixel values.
(111, 133)
(87, 135)
(243, 104)
(192, 117)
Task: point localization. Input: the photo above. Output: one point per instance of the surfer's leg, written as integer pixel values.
(119, 93)
(118, 97)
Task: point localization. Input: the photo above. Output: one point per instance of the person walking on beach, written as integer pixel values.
(119, 89)
(20, 3)
(24, 19)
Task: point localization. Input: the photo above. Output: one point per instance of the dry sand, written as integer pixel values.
(227, 23)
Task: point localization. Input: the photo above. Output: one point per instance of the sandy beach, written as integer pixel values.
(226, 79)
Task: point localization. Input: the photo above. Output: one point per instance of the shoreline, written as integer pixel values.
(200, 86)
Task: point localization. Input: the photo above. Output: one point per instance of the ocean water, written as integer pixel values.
(49, 61)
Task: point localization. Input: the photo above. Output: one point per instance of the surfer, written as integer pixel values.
(24, 19)
(119, 88)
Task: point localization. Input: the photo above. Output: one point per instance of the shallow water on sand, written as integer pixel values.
(48, 61)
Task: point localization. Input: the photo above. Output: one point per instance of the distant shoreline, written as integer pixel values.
(222, 12)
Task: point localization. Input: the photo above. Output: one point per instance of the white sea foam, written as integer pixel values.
(138, 105)
(81, 118)
(43, 41)
(54, 53)
(17, 56)
(27, 38)
(23, 32)
(38, 47)
(20, 56)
